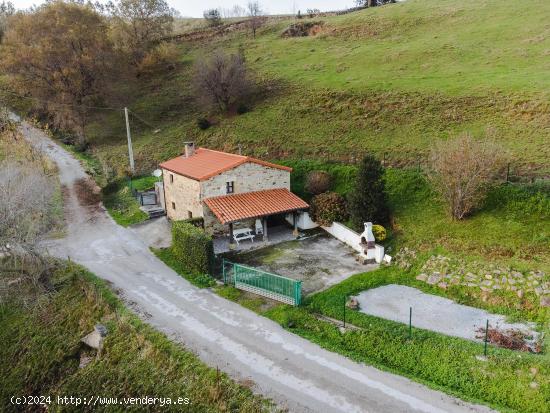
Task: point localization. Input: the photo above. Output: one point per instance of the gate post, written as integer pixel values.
(297, 292)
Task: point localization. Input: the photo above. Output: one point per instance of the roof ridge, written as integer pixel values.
(224, 153)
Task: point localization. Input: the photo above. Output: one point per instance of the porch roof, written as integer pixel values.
(237, 207)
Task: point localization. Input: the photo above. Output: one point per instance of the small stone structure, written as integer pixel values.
(364, 244)
(96, 338)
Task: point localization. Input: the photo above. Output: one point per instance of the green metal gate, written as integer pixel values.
(263, 283)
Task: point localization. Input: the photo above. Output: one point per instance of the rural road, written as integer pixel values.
(295, 373)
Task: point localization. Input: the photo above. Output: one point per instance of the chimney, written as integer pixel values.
(189, 149)
(368, 237)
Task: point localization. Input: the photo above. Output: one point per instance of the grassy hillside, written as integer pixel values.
(387, 80)
(43, 347)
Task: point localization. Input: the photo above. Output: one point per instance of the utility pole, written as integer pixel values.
(130, 150)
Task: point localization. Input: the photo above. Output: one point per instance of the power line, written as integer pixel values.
(58, 103)
(79, 106)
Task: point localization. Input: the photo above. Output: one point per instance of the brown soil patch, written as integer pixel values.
(87, 191)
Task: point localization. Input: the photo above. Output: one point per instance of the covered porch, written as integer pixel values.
(247, 215)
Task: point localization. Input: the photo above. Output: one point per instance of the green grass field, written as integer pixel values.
(42, 344)
(386, 80)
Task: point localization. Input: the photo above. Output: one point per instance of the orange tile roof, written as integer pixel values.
(206, 163)
(236, 207)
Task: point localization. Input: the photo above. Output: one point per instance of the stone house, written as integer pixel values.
(227, 190)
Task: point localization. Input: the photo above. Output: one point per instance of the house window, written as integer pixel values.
(171, 178)
(230, 187)
(189, 214)
(173, 205)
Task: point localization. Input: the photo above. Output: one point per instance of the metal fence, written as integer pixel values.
(263, 283)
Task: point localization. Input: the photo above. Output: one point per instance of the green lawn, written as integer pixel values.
(42, 344)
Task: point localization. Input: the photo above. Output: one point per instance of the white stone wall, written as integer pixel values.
(185, 193)
(353, 239)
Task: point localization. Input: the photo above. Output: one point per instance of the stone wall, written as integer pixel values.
(184, 193)
(248, 177)
(188, 194)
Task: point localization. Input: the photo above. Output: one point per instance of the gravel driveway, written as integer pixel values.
(296, 373)
(432, 312)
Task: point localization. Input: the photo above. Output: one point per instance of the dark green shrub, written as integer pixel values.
(368, 201)
(318, 182)
(203, 123)
(242, 108)
(196, 222)
(192, 247)
(328, 207)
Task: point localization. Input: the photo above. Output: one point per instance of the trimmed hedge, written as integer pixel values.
(192, 247)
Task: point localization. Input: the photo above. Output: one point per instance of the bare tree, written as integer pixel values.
(462, 171)
(139, 24)
(221, 80)
(26, 200)
(235, 11)
(255, 18)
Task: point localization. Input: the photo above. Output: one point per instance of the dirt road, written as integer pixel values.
(295, 373)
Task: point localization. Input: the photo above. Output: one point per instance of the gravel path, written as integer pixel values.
(294, 372)
(432, 312)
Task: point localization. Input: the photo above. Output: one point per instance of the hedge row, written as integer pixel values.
(192, 247)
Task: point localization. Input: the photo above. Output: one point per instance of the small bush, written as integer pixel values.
(317, 182)
(327, 208)
(379, 232)
(242, 109)
(192, 247)
(203, 123)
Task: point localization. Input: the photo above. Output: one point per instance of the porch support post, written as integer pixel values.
(264, 223)
(231, 240)
(295, 223)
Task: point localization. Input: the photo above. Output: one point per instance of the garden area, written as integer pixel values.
(495, 259)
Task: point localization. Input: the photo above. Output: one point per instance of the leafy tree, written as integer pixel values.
(59, 54)
(221, 80)
(212, 17)
(462, 170)
(368, 202)
(139, 24)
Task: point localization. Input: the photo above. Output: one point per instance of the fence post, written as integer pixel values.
(410, 322)
(345, 299)
(223, 272)
(508, 173)
(485, 343)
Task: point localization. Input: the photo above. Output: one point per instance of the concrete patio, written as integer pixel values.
(318, 260)
(277, 235)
